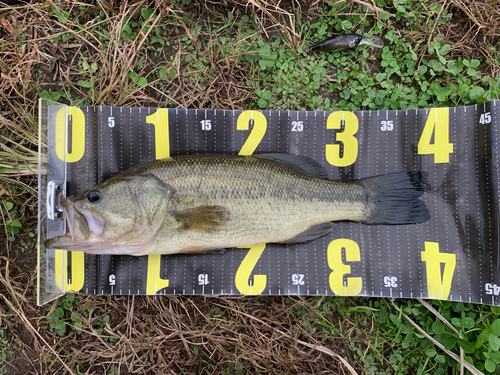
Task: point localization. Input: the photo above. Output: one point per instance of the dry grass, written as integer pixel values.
(159, 335)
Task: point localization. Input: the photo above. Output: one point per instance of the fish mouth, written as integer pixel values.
(81, 222)
(69, 214)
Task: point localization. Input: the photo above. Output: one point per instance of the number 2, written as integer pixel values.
(244, 271)
(256, 134)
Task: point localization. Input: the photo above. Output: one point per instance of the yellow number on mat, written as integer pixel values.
(162, 149)
(438, 122)
(258, 130)
(349, 141)
(438, 284)
(77, 142)
(154, 282)
(353, 285)
(160, 121)
(63, 282)
(242, 278)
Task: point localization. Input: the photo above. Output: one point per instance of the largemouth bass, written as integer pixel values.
(197, 203)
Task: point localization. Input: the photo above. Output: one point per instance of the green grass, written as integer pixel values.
(237, 56)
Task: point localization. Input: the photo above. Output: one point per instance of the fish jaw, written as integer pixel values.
(64, 242)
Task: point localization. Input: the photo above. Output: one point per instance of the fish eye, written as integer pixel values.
(94, 196)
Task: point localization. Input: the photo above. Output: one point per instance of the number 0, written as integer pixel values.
(77, 140)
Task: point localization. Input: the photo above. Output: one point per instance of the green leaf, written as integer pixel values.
(445, 48)
(78, 327)
(86, 84)
(147, 12)
(476, 92)
(266, 94)
(489, 365)
(494, 341)
(422, 69)
(457, 322)
(474, 63)
(132, 75)
(479, 342)
(472, 71)
(467, 346)
(495, 326)
(8, 205)
(430, 352)
(438, 327)
(44, 95)
(495, 310)
(495, 356)
(449, 342)
(141, 81)
(466, 321)
(346, 25)
(384, 16)
(55, 96)
(440, 358)
(16, 223)
(58, 313)
(435, 65)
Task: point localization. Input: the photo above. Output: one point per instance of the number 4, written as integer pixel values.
(438, 279)
(438, 123)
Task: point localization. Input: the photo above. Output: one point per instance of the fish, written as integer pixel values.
(343, 42)
(208, 202)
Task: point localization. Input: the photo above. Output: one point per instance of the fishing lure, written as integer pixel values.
(343, 42)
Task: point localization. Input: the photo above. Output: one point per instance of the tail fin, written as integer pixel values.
(393, 198)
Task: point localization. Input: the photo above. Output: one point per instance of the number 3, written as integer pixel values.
(349, 141)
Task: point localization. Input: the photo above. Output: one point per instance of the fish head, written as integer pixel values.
(120, 216)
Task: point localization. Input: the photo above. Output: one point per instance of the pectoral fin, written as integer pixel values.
(206, 219)
(311, 233)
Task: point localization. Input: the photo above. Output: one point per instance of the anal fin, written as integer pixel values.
(316, 231)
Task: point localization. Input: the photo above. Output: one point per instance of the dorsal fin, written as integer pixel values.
(298, 163)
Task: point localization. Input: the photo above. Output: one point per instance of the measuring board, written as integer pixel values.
(453, 256)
